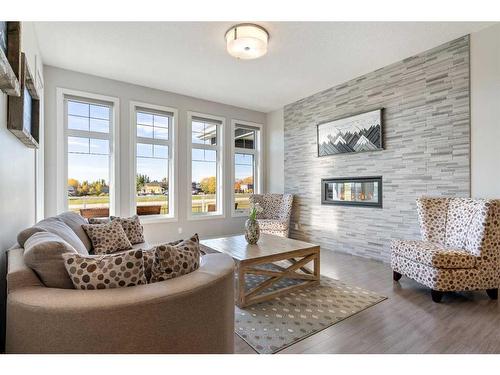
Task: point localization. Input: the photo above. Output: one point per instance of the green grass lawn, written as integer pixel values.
(143, 198)
(162, 199)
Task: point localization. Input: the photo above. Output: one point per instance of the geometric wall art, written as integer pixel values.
(358, 133)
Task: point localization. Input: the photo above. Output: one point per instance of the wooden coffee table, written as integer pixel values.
(269, 250)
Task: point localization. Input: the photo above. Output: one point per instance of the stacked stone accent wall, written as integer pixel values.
(426, 125)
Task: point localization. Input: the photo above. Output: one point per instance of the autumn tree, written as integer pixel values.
(73, 183)
(209, 185)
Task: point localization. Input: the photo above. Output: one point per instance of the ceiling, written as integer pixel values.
(189, 57)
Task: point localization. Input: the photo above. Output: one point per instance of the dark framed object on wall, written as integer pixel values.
(10, 57)
(356, 133)
(24, 110)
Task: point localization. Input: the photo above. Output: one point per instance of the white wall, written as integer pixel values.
(485, 112)
(275, 152)
(17, 177)
(158, 232)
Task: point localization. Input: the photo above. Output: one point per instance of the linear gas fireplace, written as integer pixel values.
(352, 191)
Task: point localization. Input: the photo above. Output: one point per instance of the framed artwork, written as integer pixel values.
(358, 133)
(10, 57)
(24, 110)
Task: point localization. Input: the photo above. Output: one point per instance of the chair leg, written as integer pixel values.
(396, 275)
(436, 295)
(492, 293)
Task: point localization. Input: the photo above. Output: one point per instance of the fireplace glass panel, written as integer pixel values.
(355, 191)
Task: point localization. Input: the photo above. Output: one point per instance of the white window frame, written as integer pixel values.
(62, 95)
(172, 160)
(257, 153)
(219, 148)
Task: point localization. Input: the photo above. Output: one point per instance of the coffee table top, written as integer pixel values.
(268, 245)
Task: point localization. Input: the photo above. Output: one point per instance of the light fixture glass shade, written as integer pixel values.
(247, 41)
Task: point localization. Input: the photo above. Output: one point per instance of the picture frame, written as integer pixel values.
(10, 57)
(23, 118)
(361, 132)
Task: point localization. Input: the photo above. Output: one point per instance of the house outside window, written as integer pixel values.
(205, 165)
(88, 129)
(153, 149)
(246, 164)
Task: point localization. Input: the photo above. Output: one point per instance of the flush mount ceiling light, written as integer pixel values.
(247, 41)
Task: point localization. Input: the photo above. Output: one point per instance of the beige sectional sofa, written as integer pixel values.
(193, 313)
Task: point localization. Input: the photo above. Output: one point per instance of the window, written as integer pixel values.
(206, 167)
(88, 125)
(246, 164)
(153, 179)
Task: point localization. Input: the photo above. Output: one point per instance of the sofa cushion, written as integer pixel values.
(23, 236)
(75, 222)
(43, 254)
(269, 224)
(434, 255)
(56, 226)
(132, 227)
(107, 238)
(105, 271)
(176, 260)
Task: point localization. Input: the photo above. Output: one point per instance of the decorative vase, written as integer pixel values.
(252, 231)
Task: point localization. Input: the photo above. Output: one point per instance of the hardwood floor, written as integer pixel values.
(407, 322)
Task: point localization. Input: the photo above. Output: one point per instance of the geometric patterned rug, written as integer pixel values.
(271, 326)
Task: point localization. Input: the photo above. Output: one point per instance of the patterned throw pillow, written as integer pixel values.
(132, 227)
(149, 258)
(89, 272)
(107, 238)
(176, 260)
(94, 220)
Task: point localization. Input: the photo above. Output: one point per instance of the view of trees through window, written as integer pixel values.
(204, 166)
(244, 166)
(88, 129)
(152, 166)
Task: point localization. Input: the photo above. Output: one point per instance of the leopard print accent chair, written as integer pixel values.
(275, 219)
(459, 250)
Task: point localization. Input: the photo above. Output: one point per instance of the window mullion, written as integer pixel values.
(87, 134)
(246, 151)
(152, 141)
(205, 147)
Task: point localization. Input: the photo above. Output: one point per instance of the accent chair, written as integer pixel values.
(459, 250)
(275, 218)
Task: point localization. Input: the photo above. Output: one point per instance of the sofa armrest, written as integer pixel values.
(19, 275)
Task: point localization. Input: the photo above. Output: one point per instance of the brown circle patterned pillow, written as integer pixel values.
(132, 227)
(94, 220)
(176, 260)
(89, 272)
(107, 238)
(149, 258)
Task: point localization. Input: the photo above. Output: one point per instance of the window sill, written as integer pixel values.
(239, 214)
(157, 219)
(206, 216)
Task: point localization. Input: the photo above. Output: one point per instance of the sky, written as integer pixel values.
(88, 158)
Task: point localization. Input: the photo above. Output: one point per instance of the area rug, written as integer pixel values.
(271, 326)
